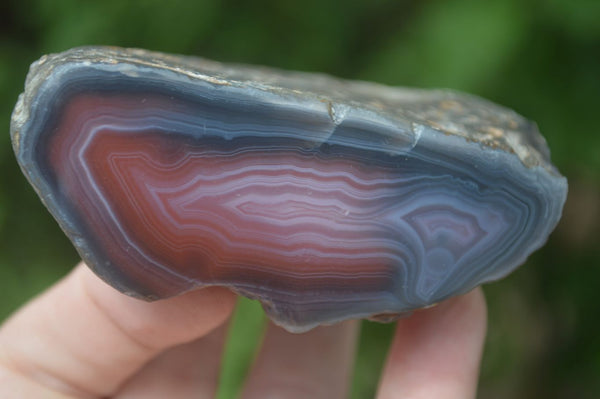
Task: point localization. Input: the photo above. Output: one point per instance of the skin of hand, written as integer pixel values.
(83, 339)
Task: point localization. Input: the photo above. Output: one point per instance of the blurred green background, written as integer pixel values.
(541, 58)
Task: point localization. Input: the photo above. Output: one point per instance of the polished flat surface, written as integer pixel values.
(324, 208)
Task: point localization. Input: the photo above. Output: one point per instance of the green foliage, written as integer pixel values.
(540, 57)
(460, 44)
(246, 328)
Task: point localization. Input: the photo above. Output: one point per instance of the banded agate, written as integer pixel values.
(323, 199)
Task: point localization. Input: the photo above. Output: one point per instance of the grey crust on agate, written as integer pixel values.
(404, 110)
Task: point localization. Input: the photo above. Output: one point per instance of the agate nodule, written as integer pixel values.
(324, 199)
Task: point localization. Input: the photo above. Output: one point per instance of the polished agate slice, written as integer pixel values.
(324, 199)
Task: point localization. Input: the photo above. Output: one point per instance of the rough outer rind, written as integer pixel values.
(446, 111)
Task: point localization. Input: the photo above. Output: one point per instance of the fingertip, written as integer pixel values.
(164, 322)
(478, 311)
(315, 364)
(436, 352)
(467, 313)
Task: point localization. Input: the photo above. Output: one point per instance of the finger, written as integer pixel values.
(436, 352)
(15, 385)
(316, 364)
(189, 370)
(85, 339)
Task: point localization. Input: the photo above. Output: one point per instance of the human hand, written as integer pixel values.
(83, 339)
